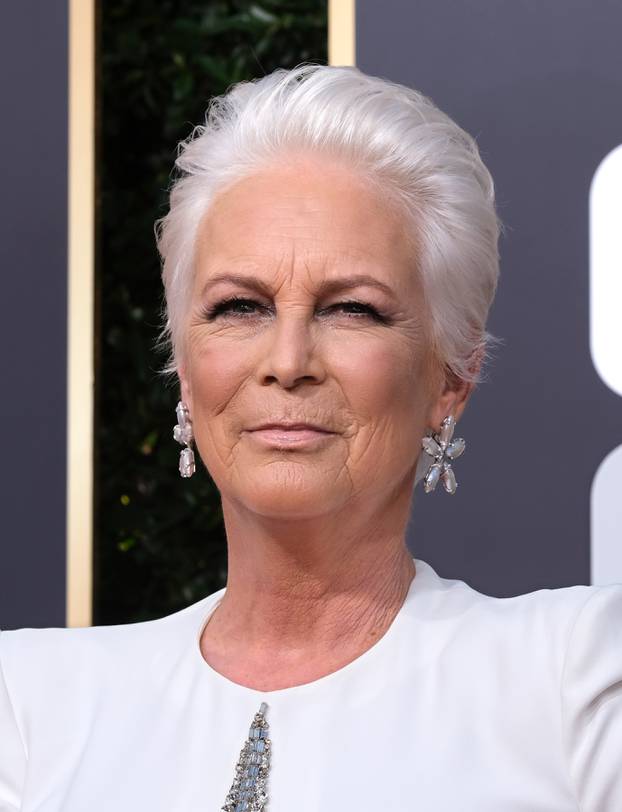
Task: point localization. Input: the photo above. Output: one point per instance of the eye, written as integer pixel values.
(235, 305)
(241, 307)
(358, 310)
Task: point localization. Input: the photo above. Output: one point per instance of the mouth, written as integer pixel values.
(284, 426)
(290, 435)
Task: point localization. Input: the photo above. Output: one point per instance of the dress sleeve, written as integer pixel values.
(591, 696)
(12, 752)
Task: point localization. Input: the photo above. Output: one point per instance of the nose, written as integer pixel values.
(290, 356)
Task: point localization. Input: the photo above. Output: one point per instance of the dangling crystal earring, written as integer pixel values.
(183, 434)
(442, 448)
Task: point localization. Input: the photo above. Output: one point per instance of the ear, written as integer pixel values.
(453, 400)
(184, 387)
(454, 394)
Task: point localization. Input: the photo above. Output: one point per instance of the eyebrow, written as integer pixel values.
(327, 287)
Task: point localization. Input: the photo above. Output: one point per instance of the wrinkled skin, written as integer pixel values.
(297, 354)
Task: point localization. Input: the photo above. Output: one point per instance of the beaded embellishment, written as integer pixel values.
(248, 790)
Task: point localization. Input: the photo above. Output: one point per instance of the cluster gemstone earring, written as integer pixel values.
(182, 433)
(443, 450)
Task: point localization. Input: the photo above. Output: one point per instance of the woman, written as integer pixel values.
(329, 259)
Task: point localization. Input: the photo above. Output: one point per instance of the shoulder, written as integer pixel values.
(538, 628)
(539, 611)
(553, 615)
(54, 683)
(549, 663)
(557, 627)
(76, 666)
(28, 649)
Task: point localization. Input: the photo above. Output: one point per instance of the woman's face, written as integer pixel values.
(307, 309)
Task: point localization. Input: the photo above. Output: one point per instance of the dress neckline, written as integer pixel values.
(424, 577)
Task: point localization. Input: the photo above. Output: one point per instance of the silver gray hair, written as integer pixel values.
(393, 134)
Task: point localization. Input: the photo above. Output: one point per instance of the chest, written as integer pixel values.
(365, 750)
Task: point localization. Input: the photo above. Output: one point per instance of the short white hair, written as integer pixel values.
(391, 133)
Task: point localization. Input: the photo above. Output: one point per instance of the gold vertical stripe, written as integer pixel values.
(81, 255)
(342, 32)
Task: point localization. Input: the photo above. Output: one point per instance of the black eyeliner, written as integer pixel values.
(213, 311)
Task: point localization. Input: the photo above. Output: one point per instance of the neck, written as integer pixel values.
(305, 597)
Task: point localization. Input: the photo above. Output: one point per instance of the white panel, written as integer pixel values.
(606, 520)
(606, 270)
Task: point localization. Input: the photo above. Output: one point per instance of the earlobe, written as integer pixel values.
(443, 408)
(184, 387)
(452, 401)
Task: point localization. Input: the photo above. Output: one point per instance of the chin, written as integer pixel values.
(288, 494)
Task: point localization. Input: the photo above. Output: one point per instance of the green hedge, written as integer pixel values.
(159, 540)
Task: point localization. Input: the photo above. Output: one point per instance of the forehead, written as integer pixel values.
(310, 214)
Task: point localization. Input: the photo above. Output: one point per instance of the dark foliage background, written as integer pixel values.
(160, 541)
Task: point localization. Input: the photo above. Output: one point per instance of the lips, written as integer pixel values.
(287, 436)
(291, 427)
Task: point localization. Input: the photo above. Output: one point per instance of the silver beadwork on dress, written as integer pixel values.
(442, 448)
(182, 433)
(248, 790)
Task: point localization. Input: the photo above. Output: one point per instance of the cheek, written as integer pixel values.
(215, 372)
(217, 375)
(216, 378)
(384, 381)
(386, 388)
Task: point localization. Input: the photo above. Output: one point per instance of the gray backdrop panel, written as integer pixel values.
(33, 259)
(540, 87)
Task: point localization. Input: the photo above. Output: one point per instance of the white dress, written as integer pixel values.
(468, 703)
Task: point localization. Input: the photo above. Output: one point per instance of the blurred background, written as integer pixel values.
(97, 525)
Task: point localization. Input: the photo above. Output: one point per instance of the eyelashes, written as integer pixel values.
(239, 306)
(243, 308)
